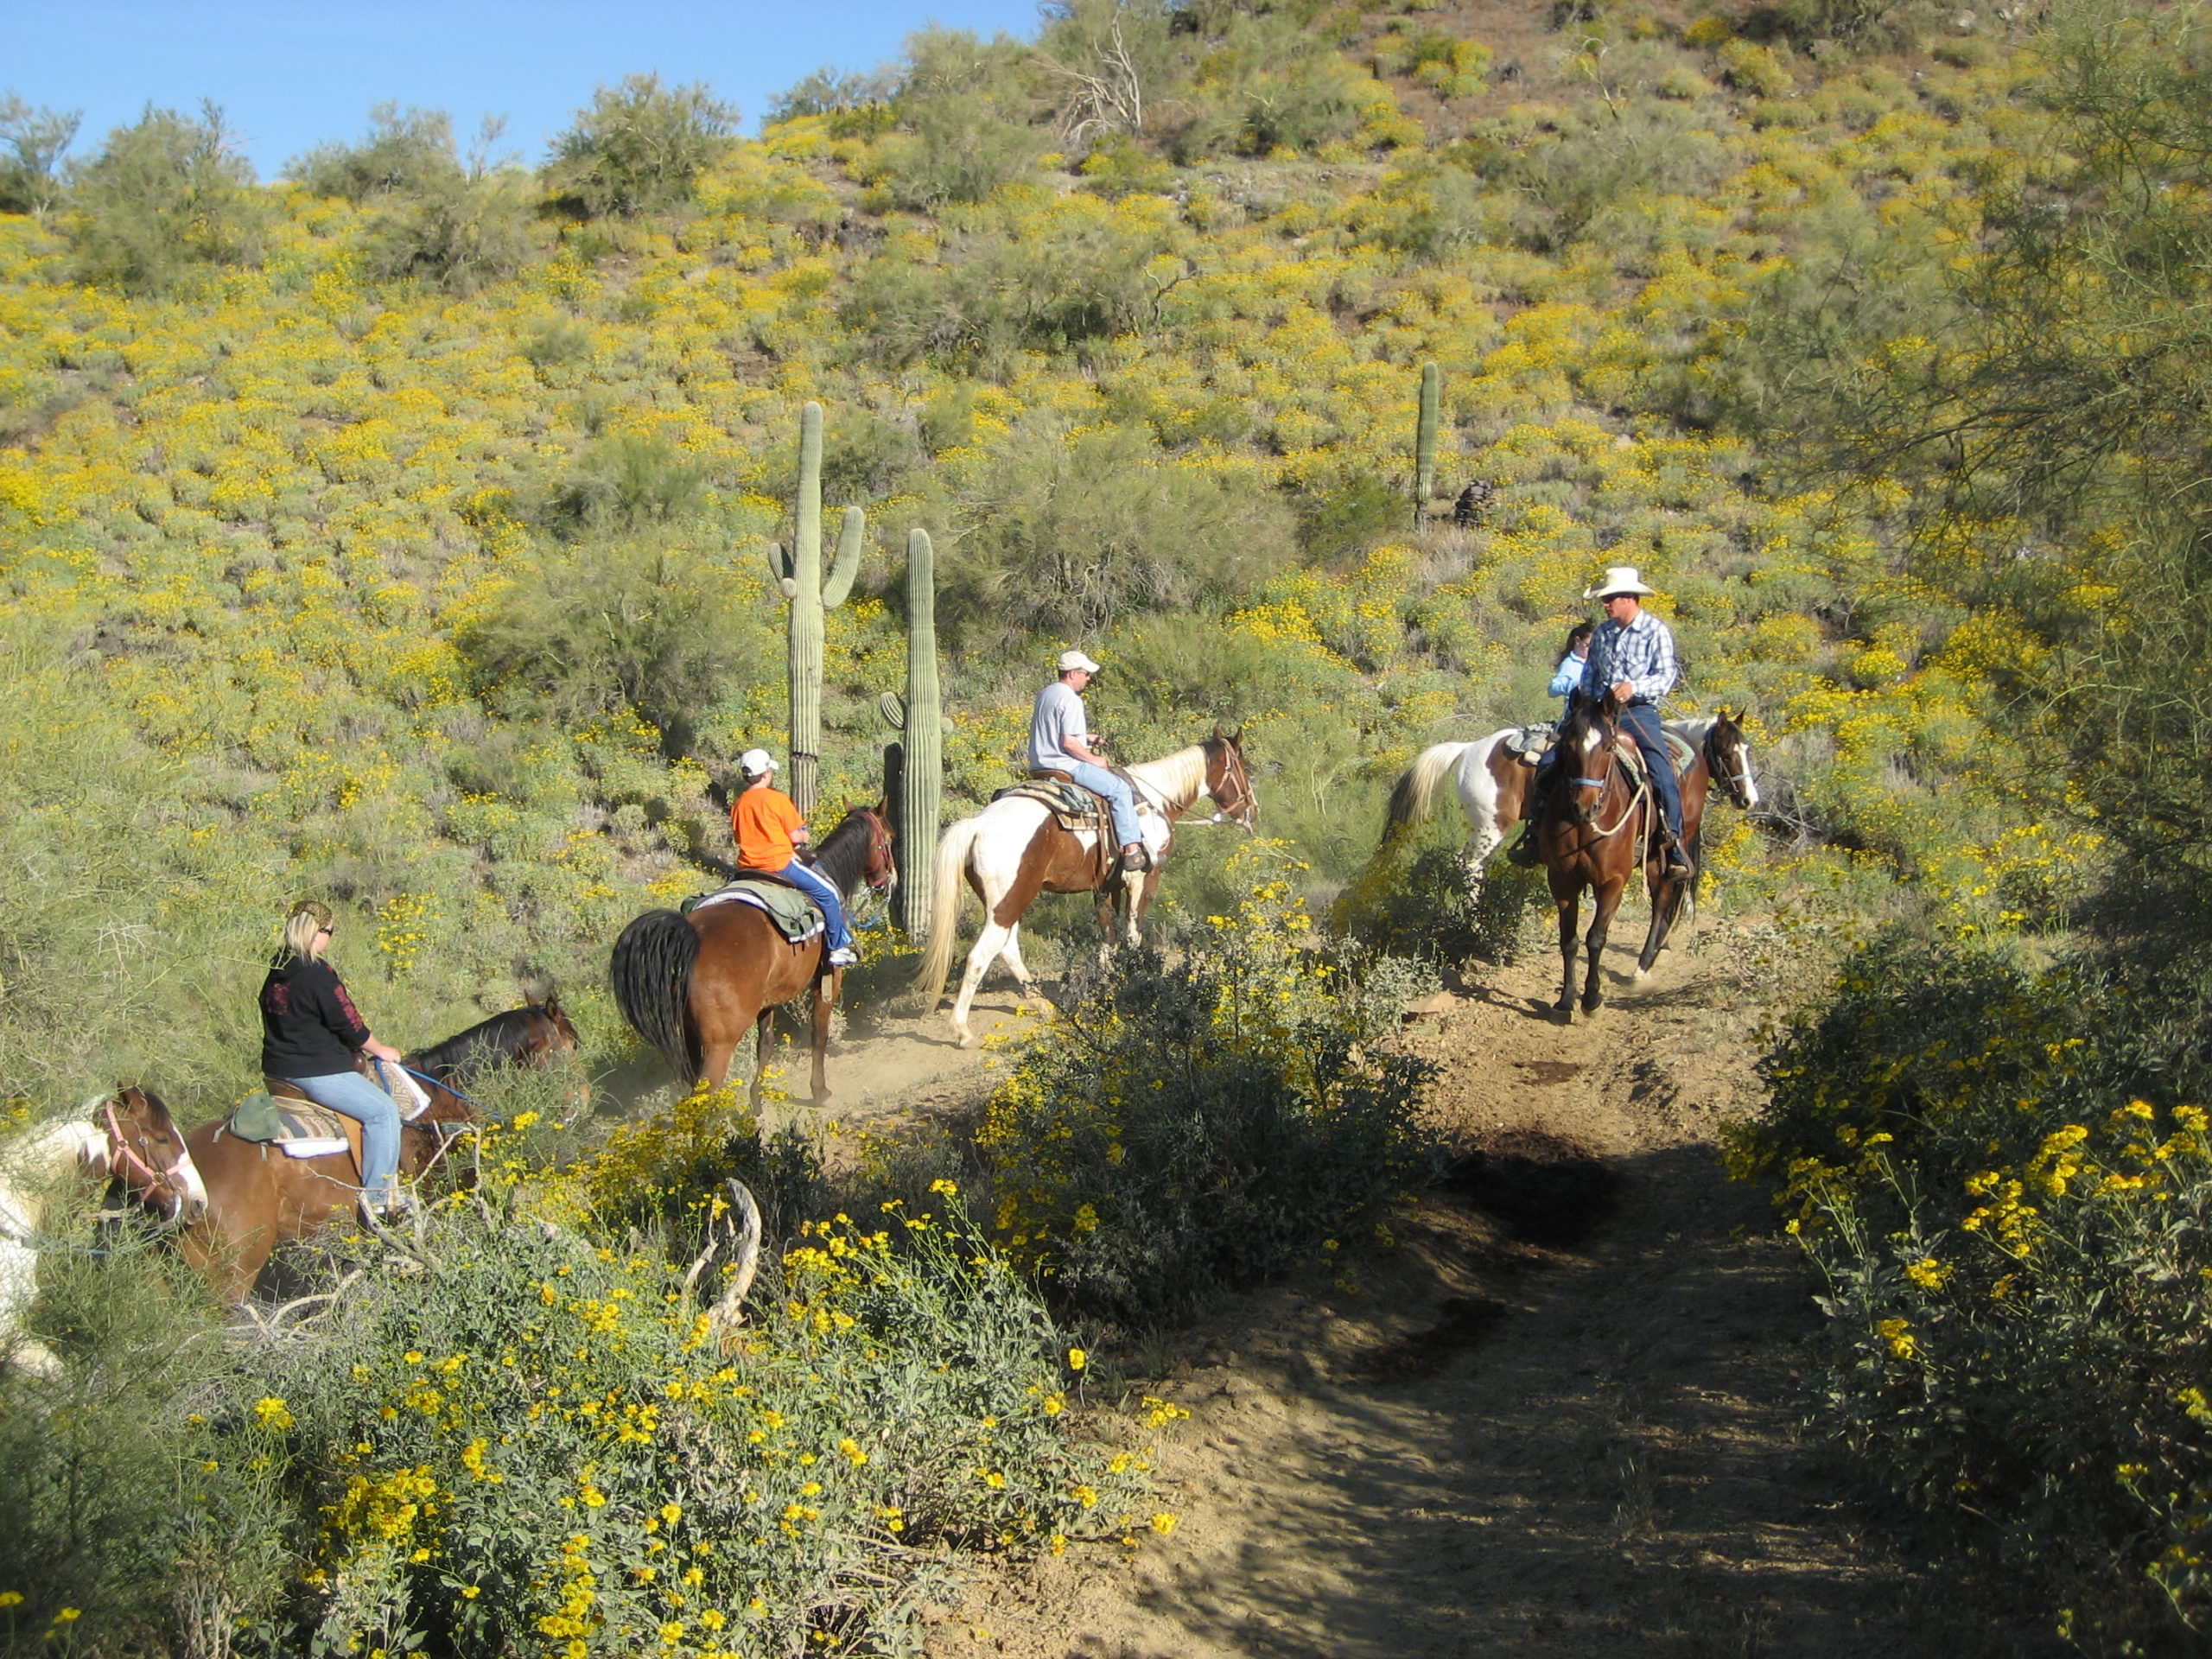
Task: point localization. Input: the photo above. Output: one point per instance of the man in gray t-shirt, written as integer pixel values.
(1059, 740)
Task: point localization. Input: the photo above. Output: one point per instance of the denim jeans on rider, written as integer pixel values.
(1641, 721)
(1118, 796)
(824, 891)
(351, 1093)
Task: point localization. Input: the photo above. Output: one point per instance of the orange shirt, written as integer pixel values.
(762, 821)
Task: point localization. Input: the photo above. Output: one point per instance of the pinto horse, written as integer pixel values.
(1493, 783)
(692, 986)
(1595, 828)
(36, 1168)
(1014, 849)
(234, 1202)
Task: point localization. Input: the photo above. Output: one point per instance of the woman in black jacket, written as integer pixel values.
(310, 1035)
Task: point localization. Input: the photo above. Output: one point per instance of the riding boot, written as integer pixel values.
(1524, 852)
(1677, 860)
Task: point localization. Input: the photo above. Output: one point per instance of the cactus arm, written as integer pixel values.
(779, 569)
(840, 581)
(893, 708)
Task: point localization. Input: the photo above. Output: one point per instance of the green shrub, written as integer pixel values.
(458, 233)
(639, 148)
(635, 624)
(164, 194)
(405, 152)
(1419, 903)
(1072, 530)
(31, 144)
(1198, 1124)
(1999, 1176)
(625, 481)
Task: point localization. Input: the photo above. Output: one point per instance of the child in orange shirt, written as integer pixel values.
(769, 833)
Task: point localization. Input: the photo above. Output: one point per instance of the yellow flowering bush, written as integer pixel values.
(2004, 1182)
(1195, 1122)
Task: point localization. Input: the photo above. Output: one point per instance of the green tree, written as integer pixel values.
(640, 147)
(163, 194)
(31, 145)
(405, 151)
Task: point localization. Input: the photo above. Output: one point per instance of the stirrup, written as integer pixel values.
(1523, 851)
(1136, 863)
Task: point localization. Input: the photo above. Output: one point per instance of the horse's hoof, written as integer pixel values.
(1591, 1004)
(969, 1040)
(1640, 975)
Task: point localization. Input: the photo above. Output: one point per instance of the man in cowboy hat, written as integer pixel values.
(1632, 657)
(1060, 740)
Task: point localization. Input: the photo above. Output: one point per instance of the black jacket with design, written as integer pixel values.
(309, 1027)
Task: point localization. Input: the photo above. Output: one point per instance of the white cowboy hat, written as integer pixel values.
(1619, 579)
(1072, 659)
(755, 762)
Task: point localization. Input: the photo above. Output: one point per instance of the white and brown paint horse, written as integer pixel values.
(38, 1170)
(1014, 849)
(1493, 783)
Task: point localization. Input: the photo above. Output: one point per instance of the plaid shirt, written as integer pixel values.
(1642, 652)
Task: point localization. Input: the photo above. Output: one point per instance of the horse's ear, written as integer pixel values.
(1216, 730)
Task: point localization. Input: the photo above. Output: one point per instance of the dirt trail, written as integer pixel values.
(1502, 1444)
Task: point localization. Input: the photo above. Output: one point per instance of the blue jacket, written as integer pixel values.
(1567, 677)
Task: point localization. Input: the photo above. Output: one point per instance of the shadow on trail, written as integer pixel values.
(1595, 1454)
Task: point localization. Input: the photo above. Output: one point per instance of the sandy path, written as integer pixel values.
(1492, 1445)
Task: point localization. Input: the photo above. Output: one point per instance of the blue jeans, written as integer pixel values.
(1118, 796)
(824, 892)
(1641, 721)
(353, 1095)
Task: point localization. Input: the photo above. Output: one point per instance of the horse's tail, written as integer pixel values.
(945, 907)
(651, 977)
(1410, 800)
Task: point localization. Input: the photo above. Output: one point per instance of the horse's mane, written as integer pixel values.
(842, 856)
(1180, 776)
(503, 1036)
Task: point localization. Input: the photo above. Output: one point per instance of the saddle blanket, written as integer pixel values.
(298, 1129)
(1076, 808)
(797, 917)
(1529, 744)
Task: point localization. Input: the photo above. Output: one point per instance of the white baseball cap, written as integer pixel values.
(754, 762)
(1073, 659)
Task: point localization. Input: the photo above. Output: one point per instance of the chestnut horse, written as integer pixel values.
(234, 1202)
(1595, 827)
(692, 986)
(1014, 849)
(1493, 783)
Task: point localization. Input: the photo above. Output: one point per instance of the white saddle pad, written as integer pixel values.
(310, 1148)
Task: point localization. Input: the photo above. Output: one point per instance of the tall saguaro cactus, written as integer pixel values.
(921, 779)
(798, 572)
(1431, 394)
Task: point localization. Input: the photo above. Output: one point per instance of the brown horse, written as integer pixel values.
(1014, 849)
(692, 986)
(1595, 828)
(539, 1034)
(232, 1201)
(1493, 783)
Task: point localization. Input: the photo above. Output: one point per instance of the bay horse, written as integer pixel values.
(1594, 829)
(232, 1202)
(534, 1035)
(1014, 849)
(1493, 783)
(692, 986)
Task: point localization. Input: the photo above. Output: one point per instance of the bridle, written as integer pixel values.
(879, 855)
(1233, 771)
(180, 1180)
(1737, 781)
(1610, 744)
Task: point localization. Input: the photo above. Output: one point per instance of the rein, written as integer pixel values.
(155, 1178)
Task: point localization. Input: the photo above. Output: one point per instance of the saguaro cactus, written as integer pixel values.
(923, 777)
(798, 572)
(1431, 393)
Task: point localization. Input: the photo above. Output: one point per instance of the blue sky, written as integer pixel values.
(292, 75)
